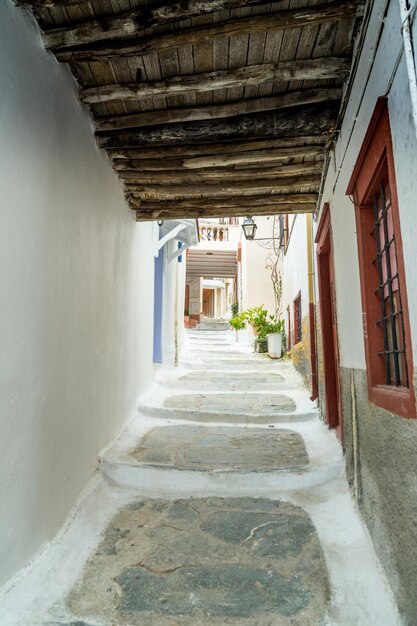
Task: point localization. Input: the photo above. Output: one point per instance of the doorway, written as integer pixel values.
(208, 302)
(329, 322)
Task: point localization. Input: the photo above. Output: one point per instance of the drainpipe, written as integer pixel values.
(311, 306)
(406, 19)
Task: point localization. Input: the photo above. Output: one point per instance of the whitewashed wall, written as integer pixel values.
(76, 290)
(257, 286)
(374, 78)
(295, 268)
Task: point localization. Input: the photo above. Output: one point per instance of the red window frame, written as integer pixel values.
(373, 173)
(298, 330)
(289, 329)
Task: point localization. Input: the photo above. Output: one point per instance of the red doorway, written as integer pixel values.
(329, 322)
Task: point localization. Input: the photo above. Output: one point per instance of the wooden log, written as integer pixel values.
(157, 15)
(167, 212)
(179, 177)
(308, 120)
(239, 163)
(255, 159)
(193, 114)
(306, 184)
(253, 202)
(82, 50)
(243, 159)
(310, 69)
(314, 142)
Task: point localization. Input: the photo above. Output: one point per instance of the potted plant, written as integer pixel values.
(274, 330)
(238, 323)
(261, 343)
(257, 318)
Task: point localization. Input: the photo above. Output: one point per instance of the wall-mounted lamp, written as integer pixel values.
(249, 228)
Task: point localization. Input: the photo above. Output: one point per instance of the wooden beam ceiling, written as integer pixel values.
(307, 69)
(209, 108)
(70, 45)
(215, 112)
(310, 120)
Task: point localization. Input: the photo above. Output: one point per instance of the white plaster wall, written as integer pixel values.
(387, 76)
(405, 158)
(295, 268)
(257, 286)
(76, 290)
(196, 292)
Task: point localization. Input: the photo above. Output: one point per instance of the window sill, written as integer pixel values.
(398, 400)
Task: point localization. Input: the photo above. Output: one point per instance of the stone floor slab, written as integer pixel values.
(205, 562)
(222, 449)
(233, 403)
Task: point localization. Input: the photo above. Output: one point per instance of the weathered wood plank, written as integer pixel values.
(310, 69)
(289, 145)
(219, 162)
(156, 15)
(200, 203)
(308, 120)
(161, 213)
(225, 189)
(177, 177)
(282, 20)
(218, 111)
(171, 214)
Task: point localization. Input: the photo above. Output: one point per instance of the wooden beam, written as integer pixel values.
(308, 120)
(162, 10)
(314, 142)
(310, 69)
(237, 201)
(219, 111)
(179, 177)
(257, 157)
(144, 17)
(162, 212)
(227, 189)
(82, 50)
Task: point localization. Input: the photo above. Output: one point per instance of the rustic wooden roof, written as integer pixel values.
(208, 107)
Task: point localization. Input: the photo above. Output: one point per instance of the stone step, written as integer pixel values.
(225, 449)
(205, 562)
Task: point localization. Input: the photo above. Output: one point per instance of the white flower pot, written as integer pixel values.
(274, 345)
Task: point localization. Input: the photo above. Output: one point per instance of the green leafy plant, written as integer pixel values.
(235, 309)
(263, 323)
(261, 344)
(275, 326)
(237, 322)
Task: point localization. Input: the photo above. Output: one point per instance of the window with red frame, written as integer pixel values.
(298, 330)
(384, 299)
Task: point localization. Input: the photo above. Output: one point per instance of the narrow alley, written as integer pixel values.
(208, 297)
(223, 502)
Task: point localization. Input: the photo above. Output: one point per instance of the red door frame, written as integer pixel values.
(329, 322)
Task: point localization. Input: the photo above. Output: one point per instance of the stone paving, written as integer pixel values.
(215, 448)
(222, 503)
(205, 561)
